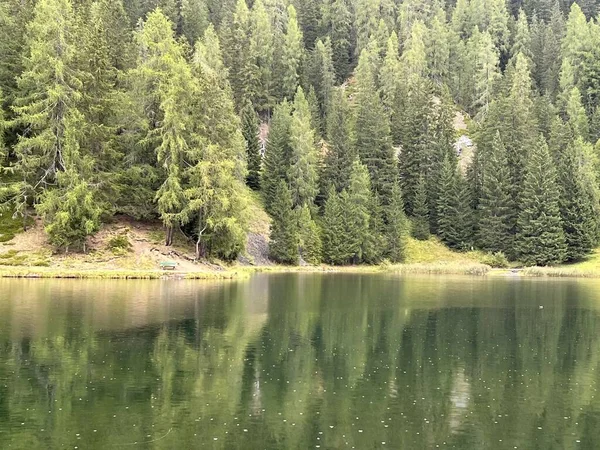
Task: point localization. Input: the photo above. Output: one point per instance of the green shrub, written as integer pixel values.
(497, 260)
(119, 245)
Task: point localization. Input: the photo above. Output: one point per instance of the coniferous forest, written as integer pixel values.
(341, 113)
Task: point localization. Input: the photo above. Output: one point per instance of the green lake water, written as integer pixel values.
(300, 361)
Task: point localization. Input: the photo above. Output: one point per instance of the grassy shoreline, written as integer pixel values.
(240, 272)
(237, 272)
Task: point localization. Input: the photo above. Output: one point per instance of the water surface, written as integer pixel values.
(300, 361)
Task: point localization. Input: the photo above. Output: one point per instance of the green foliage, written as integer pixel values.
(396, 228)
(283, 247)
(302, 175)
(373, 141)
(337, 245)
(454, 225)
(496, 207)
(540, 238)
(309, 237)
(496, 260)
(250, 131)
(119, 244)
(277, 153)
(70, 212)
(420, 225)
(578, 200)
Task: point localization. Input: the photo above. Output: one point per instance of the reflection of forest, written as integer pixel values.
(298, 361)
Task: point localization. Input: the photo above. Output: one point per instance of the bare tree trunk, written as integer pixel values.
(169, 236)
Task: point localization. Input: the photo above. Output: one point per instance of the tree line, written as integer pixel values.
(153, 109)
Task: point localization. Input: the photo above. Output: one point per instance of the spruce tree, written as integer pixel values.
(277, 153)
(283, 247)
(340, 150)
(302, 173)
(215, 192)
(250, 131)
(238, 55)
(292, 57)
(309, 237)
(337, 241)
(373, 140)
(577, 208)
(540, 238)
(396, 228)
(339, 27)
(364, 238)
(454, 223)
(420, 218)
(322, 75)
(496, 207)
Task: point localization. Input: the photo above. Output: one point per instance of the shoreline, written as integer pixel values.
(241, 272)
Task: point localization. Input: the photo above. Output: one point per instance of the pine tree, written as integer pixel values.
(340, 151)
(322, 76)
(339, 26)
(540, 239)
(337, 242)
(396, 228)
(238, 55)
(361, 203)
(420, 226)
(452, 208)
(250, 131)
(194, 19)
(302, 174)
(496, 207)
(215, 193)
(309, 237)
(277, 153)
(373, 140)
(173, 91)
(47, 107)
(283, 247)
(262, 41)
(71, 212)
(577, 206)
(292, 57)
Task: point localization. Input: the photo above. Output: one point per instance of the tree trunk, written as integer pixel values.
(169, 237)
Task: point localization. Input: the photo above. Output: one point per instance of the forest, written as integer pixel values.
(339, 113)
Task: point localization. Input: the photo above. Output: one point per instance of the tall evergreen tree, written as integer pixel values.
(47, 108)
(540, 238)
(420, 225)
(309, 237)
(396, 228)
(340, 151)
(373, 140)
(283, 247)
(577, 207)
(250, 130)
(277, 153)
(303, 170)
(291, 59)
(452, 208)
(496, 215)
(337, 241)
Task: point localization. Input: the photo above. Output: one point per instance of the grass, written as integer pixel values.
(22, 272)
(588, 268)
(433, 251)
(9, 227)
(14, 258)
(258, 220)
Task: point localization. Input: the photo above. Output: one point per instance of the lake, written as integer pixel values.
(299, 361)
